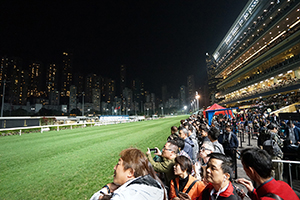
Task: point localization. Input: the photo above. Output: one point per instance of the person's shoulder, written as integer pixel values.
(277, 185)
(283, 184)
(199, 183)
(137, 189)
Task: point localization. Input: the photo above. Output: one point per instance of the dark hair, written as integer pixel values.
(180, 142)
(290, 122)
(184, 130)
(203, 128)
(174, 128)
(185, 163)
(259, 160)
(226, 164)
(228, 126)
(190, 127)
(173, 145)
(185, 124)
(214, 133)
(271, 126)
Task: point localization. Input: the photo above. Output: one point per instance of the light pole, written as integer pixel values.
(185, 107)
(162, 111)
(197, 98)
(3, 93)
(147, 111)
(82, 103)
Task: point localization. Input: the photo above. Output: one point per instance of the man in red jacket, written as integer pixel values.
(257, 164)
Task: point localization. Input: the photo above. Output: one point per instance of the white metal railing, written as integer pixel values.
(59, 126)
(290, 162)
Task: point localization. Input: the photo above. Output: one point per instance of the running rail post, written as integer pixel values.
(241, 141)
(235, 163)
(249, 137)
(290, 180)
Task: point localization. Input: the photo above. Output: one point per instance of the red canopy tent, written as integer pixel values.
(215, 107)
(216, 110)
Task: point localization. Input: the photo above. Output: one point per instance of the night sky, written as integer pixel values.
(161, 42)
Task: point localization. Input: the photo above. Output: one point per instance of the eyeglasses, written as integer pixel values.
(168, 149)
(203, 149)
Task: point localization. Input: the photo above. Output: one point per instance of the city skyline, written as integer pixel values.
(59, 88)
(160, 43)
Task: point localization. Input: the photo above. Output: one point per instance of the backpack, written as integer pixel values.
(226, 140)
(272, 148)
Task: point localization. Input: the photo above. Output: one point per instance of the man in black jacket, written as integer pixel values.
(230, 143)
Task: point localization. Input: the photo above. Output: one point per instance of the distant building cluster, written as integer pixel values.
(57, 87)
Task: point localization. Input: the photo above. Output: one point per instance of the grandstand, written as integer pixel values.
(259, 56)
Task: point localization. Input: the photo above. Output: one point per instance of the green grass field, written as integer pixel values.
(72, 164)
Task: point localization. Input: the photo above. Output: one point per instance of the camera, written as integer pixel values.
(153, 150)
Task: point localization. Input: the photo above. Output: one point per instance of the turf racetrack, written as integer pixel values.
(72, 164)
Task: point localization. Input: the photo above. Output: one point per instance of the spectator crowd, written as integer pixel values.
(198, 161)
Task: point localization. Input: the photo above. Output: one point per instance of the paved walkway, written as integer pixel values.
(252, 142)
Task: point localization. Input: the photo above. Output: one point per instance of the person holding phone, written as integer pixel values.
(168, 155)
(184, 182)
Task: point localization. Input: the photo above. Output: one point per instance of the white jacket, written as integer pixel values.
(140, 188)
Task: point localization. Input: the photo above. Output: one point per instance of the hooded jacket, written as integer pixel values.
(141, 188)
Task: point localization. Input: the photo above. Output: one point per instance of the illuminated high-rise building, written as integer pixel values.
(92, 81)
(3, 70)
(12, 73)
(122, 78)
(73, 98)
(96, 99)
(128, 100)
(138, 94)
(191, 92)
(51, 78)
(35, 80)
(78, 81)
(182, 96)
(66, 74)
(108, 88)
(54, 97)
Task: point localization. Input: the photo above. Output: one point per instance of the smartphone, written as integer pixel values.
(239, 191)
(153, 150)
